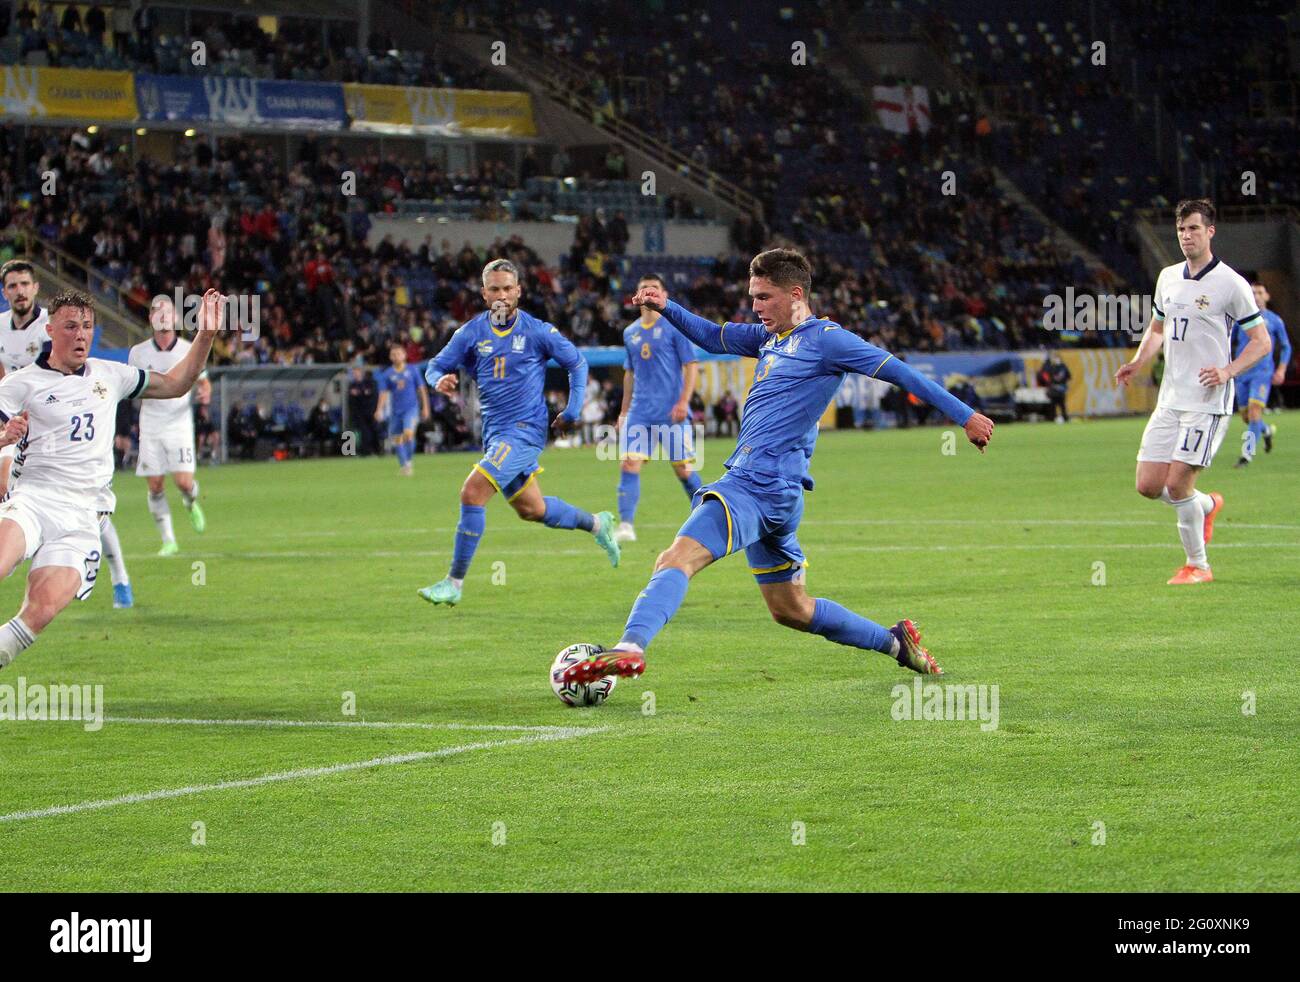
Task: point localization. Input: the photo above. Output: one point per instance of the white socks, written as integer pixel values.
(111, 547)
(15, 638)
(162, 515)
(1191, 513)
(188, 499)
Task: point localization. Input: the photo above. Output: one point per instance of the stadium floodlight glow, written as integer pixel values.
(141, 131)
(191, 132)
(92, 130)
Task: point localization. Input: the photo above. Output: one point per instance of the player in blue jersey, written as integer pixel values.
(756, 506)
(403, 396)
(1255, 383)
(506, 350)
(659, 374)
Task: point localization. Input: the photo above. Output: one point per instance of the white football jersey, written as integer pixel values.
(19, 348)
(159, 415)
(71, 421)
(1198, 314)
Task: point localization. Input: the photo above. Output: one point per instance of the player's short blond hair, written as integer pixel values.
(500, 266)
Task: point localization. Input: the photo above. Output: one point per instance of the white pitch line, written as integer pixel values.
(339, 724)
(513, 550)
(298, 775)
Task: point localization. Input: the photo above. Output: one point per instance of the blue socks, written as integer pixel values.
(629, 493)
(841, 625)
(691, 483)
(473, 520)
(562, 515)
(405, 451)
(655, 606)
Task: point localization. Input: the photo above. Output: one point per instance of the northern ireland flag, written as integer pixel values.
(902, 108)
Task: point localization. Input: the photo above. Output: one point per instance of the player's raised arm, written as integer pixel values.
(169, 385)
(844, 351)
(720, 339)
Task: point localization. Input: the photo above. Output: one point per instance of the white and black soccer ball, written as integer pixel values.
(573, 694)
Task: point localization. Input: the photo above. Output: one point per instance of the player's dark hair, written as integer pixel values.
(16, 266)
(1191, 206)
(71, 298)
(653, 278)
(786, 268)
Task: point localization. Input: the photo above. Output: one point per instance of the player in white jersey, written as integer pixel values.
(22, 332)
(22, 335)
(167, 427)
(60, 411)
(1196, 305)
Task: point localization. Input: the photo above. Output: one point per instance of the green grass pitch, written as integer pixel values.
(1119, 704)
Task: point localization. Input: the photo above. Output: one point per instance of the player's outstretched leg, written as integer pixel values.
(654, 608)
(162, 517)
(557, 513)
(189, 489)
(791, 607)
(49, 590)
(111, 549)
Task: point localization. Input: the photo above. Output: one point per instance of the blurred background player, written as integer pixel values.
(659, 374)
(1192, 301)
(1054, 376)
(402, 395)
(507, 350)
(1254, 385)
(167, 426)
(758, 504)
(61, 410)
(22, 338)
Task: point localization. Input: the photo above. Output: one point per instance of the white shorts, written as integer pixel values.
(166, 453)
(58, 533)
(1179, 434)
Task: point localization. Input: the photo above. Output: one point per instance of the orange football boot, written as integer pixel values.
(1191, 574)
(1209, 519)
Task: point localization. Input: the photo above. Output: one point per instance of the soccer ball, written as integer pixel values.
(572, 694)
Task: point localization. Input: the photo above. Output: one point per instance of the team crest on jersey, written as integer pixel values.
(658, 331)
(1202, 302)
(33, 349)
(100, 389)
(794, 346)
(517, 342)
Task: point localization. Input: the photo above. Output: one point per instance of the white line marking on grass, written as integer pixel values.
(514, 550)
(298, 775)
(339, 724)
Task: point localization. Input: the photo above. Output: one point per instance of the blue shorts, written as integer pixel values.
(1254, 388)
(657, 439)
(399, 423)
(760, 514)
(510, 459)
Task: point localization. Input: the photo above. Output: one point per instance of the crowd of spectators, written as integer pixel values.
(150, 38)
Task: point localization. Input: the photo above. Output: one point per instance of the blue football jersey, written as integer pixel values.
(1281, 354)
(509, 364)
(796, 377)
(655, 354)
(403, 388)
